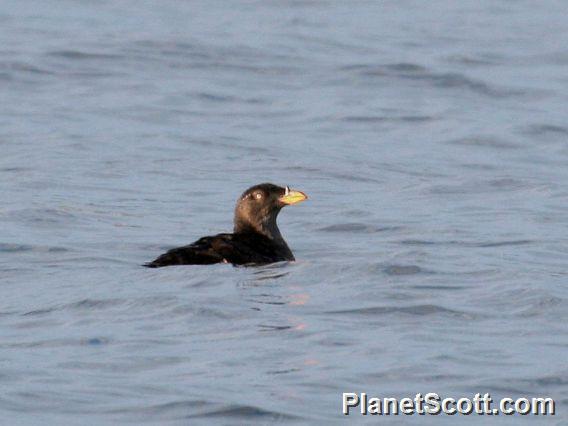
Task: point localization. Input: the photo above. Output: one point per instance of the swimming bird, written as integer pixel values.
(256, 239)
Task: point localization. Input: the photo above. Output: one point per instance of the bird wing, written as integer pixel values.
(205, 251)
(237, 249)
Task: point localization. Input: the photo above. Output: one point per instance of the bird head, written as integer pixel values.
(258, 207)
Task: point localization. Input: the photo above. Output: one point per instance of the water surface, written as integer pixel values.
(432, 255)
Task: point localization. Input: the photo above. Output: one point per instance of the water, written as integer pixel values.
(432, 255)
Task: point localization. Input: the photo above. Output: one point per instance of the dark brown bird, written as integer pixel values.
(256, 239)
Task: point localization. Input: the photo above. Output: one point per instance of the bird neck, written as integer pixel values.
(265, 226)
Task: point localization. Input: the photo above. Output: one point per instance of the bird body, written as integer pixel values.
(256, 239)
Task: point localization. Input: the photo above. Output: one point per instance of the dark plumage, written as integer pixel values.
(255, 240)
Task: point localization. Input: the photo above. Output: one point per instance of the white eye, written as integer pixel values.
(257, 195)
(286, 190)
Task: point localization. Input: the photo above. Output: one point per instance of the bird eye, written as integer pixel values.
(257, 195)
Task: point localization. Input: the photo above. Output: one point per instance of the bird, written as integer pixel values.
(256, 239)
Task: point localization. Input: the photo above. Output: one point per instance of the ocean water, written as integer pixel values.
(432, 256)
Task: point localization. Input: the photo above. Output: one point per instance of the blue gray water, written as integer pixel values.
(432, 255)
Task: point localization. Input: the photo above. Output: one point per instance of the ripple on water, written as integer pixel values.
(487, 186)
(546, 130)
(387, 119)
(203, 409)
(481, 244)
(397, 270)
(442, 80)
(538, 305)
(14, 248)
(245, 412)
(84, 304)
(475, 60)
(484, 142)
(352, 227)
(47, 216)
(58, 343)
(83, 55)
(418, 310)
(18, 248)
(17, 68)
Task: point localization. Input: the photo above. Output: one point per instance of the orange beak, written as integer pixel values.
(293, 197)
